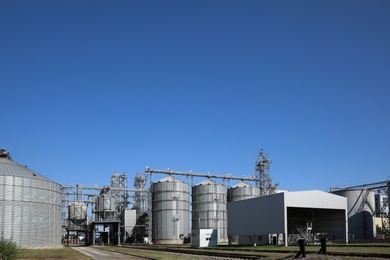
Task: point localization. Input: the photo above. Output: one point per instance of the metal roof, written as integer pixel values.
(11, 168)
(314, 199)
(207, 182)
(170, 179)
(243, 184)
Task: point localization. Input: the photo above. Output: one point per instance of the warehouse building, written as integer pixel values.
(283, 218)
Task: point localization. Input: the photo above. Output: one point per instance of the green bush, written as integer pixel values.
(8, 249)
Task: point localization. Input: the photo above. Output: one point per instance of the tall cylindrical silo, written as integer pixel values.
(242, 191)
(209, 208)
(170, 211)
(361, 213)
(30, 206)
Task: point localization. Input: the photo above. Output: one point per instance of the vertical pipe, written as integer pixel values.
(285, 221)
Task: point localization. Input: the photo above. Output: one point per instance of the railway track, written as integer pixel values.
(199, 253)
(247, 254)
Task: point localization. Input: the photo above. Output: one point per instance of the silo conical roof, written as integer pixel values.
(243, 184)
(10, 168)
(170, 179)
(208, 182)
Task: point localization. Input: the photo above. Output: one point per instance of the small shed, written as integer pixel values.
(204, 237)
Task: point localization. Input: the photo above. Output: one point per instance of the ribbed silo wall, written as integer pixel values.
(209, 208)
(361, 213)
(30, 211)
(242, 192)
(170, 211)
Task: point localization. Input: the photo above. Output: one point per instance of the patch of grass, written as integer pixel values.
(52, 253)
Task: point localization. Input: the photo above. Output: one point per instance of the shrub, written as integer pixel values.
(8, 249)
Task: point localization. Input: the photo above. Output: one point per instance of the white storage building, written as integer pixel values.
(284, 217)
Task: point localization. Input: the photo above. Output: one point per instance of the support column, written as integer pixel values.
(93, 234)
(346, 227)
(119, 234)
(285, 234)
(285, 239)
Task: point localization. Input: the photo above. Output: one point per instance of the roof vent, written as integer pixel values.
(5, 154)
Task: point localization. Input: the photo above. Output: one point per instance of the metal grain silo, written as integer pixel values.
(30, 206)
(170, 211)
(209, 208)
(242, 191)
(106, 207)
(361, 213)
(77, 212)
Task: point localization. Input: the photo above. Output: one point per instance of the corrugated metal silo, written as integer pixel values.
(106, 208)
(242, 191)
(361, 213)
(77, 212)
(209, 208)
(170, 211)
(30, 206)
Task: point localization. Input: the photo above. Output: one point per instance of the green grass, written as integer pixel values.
(53, 253)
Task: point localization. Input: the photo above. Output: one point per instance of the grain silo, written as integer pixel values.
(209, 208)
(361, 213)
(77, 212)
(170, 211)
(106, 207)
(30, 206)
(242, 191)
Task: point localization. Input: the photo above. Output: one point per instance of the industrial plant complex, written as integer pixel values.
(37, 212)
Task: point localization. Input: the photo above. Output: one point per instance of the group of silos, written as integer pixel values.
(171, 208)
(104, 209)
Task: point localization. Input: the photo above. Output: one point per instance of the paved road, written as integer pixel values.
(98, 254)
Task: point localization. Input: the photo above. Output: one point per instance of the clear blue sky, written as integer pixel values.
(93, 87)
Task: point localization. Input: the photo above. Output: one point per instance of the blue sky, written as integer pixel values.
(93, 87)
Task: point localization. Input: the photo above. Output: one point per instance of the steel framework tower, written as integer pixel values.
(264, 180)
